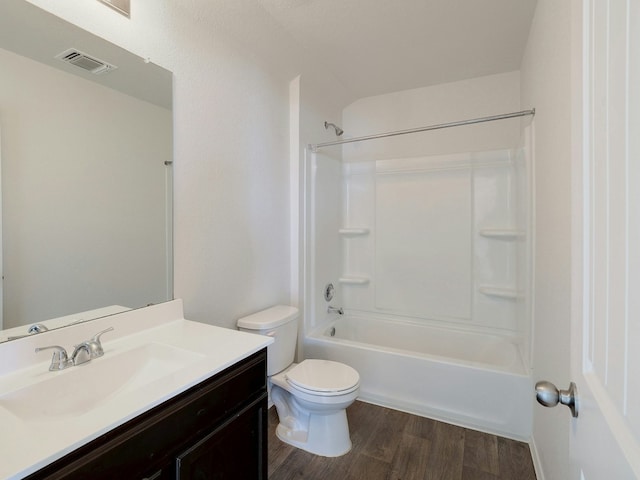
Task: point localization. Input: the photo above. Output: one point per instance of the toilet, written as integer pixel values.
(310, 397)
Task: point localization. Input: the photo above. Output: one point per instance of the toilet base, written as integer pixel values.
(327, 434)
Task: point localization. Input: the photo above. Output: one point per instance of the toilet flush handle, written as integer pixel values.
(272, 333)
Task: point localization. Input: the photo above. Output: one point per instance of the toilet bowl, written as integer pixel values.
(312, 413)
(310, 397)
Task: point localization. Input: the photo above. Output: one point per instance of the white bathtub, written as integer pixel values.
(474, 380)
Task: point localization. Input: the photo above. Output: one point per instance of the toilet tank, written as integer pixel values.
(281, 323)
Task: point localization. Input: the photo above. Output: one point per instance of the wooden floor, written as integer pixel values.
(392, 445)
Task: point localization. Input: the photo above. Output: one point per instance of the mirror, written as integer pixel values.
(85, 156)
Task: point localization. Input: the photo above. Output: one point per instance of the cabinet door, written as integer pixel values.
(234, 451)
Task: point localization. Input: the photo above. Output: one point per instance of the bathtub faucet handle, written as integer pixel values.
(331, 309)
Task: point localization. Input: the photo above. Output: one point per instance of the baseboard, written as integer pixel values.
(422, 410)
(537, 464)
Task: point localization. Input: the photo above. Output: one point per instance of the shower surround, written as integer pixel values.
(427, 240)
(434, 238)
(429, 258)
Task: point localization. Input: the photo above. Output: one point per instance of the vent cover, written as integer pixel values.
(84, 61)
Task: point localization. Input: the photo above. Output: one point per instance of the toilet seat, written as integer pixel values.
(323, 377)
(317, 393)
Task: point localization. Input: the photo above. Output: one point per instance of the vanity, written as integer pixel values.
(169, 399)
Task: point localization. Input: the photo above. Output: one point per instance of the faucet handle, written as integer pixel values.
(95, 347)
(59, 360)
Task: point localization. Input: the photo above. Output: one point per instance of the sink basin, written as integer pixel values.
(77, 390)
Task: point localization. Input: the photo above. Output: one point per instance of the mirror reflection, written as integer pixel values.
(86, 175)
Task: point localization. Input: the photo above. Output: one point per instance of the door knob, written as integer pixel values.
(548, 395)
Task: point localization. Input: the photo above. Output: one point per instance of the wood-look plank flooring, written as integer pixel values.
(392, 445)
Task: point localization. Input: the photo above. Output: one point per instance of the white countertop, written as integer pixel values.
(27, 446)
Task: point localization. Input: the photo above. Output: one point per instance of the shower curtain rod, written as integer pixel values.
(522, 113)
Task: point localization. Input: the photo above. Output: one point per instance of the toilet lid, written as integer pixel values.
(323, 376)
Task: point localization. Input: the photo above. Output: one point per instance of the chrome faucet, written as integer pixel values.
(37, 328)
(82, 353)
(33, 329)
(331, 309)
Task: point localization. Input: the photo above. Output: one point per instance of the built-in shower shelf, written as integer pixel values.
(353, 280)
(499, 292)
(352, 232)
(502, 233)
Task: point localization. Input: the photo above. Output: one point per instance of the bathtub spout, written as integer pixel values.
(331, 309)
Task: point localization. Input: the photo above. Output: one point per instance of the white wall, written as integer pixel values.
(546, 77)
(231, 142)
(450, 102)
(83, 194)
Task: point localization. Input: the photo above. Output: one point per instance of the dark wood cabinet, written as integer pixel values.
(215, 430)
(235, 448)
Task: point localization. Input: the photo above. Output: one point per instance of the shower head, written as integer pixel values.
(338, 130)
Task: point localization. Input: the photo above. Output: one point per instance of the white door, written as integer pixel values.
(1, 267)
(605, 346)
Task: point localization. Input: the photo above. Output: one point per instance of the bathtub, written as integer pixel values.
(474, 380)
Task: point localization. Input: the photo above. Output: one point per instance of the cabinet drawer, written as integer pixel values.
(134, 449)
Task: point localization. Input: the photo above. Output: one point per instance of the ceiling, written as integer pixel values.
(380, 46)
(371, 47)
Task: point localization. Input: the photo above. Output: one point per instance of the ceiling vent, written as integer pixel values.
(86, 62)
